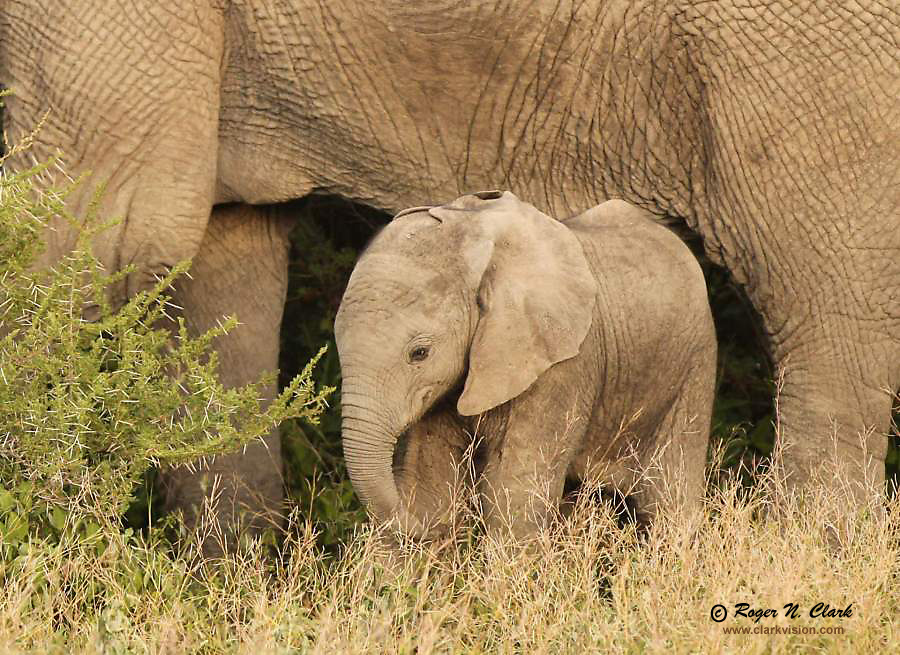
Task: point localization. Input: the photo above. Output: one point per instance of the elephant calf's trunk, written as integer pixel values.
(369, 455)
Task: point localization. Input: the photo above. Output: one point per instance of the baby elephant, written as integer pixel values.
(572, 349)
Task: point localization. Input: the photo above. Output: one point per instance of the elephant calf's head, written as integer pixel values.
(485, 289)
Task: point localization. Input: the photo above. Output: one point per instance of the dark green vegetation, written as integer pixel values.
(329, 235)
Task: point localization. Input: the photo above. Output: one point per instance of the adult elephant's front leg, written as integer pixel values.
(130, 94)
(240, 270)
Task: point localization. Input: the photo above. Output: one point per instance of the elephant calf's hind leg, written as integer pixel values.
(672, 467)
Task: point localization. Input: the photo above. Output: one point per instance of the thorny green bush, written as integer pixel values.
(87, 406)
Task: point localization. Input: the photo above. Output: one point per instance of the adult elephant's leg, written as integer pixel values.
(834, 404)
(803, 209)
(835, 336)
(130, 94)
(240, 270)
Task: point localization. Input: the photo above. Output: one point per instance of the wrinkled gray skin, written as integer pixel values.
(583, 348)
(244, 249)
(769, 127)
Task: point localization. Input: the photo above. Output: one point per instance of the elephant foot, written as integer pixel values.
(833, 440)
(234, 497)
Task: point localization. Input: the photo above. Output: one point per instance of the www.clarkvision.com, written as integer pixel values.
(782, 630)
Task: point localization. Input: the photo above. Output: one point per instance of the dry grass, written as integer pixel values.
(587, 584)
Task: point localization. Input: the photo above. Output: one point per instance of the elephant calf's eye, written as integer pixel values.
(418, 354)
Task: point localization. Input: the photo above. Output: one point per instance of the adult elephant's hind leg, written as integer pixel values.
(240, 270)
(837, 374)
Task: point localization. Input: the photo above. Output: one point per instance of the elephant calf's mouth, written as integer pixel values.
(400, 450)
(414, 442)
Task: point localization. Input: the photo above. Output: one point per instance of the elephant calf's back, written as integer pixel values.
(653, 292)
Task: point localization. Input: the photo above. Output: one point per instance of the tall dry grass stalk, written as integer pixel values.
(586, 584)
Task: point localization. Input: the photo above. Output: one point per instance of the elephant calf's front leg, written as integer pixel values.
(432, 470)
(525, 469)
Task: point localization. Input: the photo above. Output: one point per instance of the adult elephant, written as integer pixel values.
(771, 128)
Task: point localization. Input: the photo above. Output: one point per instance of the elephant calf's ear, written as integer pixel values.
(536, 298)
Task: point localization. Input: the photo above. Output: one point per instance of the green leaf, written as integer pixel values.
(58, 519)
(15, 528)
(7, 500)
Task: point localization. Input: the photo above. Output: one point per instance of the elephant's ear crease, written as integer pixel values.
(414, 210)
